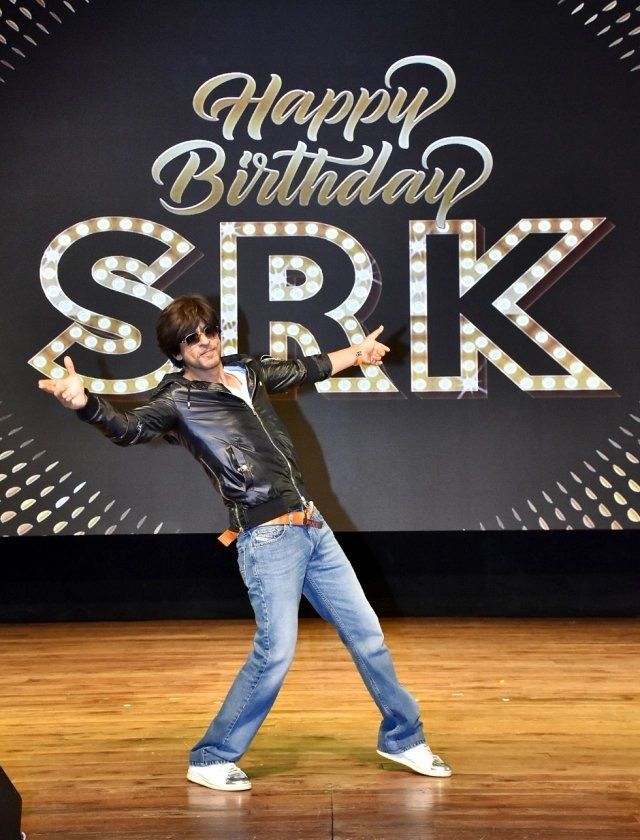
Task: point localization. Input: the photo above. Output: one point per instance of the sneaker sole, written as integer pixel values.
(437, 772)
(195, 777)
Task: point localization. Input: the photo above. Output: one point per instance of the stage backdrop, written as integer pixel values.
(463, 173)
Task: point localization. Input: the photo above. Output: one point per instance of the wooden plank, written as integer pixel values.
(540, 720)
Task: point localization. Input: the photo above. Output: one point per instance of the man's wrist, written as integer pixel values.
(90, 408)
(358, 356)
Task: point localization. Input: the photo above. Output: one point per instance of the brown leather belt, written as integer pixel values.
(294, 517)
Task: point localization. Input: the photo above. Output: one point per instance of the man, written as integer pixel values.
(219, 410)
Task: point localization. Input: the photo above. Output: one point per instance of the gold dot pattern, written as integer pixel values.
(607, 488)
(618, 27)
(23, 27)
(38, 496)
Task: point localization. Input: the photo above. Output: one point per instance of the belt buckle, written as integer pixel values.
(308, 513)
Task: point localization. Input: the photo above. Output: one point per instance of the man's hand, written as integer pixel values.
(368, 352)
(68, 391)
(372, 351)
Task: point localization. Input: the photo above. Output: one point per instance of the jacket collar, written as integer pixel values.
(178, 377)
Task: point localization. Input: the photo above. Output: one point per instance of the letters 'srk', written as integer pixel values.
(572, 237)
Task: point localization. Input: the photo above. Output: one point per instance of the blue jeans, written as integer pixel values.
(278, 563)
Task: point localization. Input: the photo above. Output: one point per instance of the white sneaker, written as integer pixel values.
(224, 776)
(421, 760)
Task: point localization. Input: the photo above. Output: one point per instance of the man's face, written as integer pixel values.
(202, 357)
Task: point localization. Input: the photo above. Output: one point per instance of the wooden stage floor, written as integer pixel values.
(540, 720)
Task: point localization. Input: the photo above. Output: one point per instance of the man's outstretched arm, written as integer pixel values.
(282, 375)
(124, 428)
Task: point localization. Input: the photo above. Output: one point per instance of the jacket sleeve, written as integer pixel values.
(280, 375)
(125, 428)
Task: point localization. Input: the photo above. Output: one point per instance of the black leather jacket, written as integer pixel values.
(245, 451)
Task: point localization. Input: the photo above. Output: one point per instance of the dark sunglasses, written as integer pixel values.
(208, 331)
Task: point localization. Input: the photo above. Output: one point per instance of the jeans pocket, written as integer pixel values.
(242, 563)
(267, 534)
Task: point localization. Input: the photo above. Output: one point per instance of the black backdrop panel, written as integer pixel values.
(95, 94)
(496, 573)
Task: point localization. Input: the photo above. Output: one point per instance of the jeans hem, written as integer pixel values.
(403, 748)
(207, 763)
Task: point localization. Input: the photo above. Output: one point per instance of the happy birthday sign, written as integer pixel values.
(305, 174)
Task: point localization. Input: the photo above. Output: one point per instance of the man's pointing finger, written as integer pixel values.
(47, 385)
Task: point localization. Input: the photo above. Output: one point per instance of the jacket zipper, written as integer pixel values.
(286, 460)
(273, 443)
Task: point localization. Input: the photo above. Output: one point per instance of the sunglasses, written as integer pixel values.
(208, 331)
